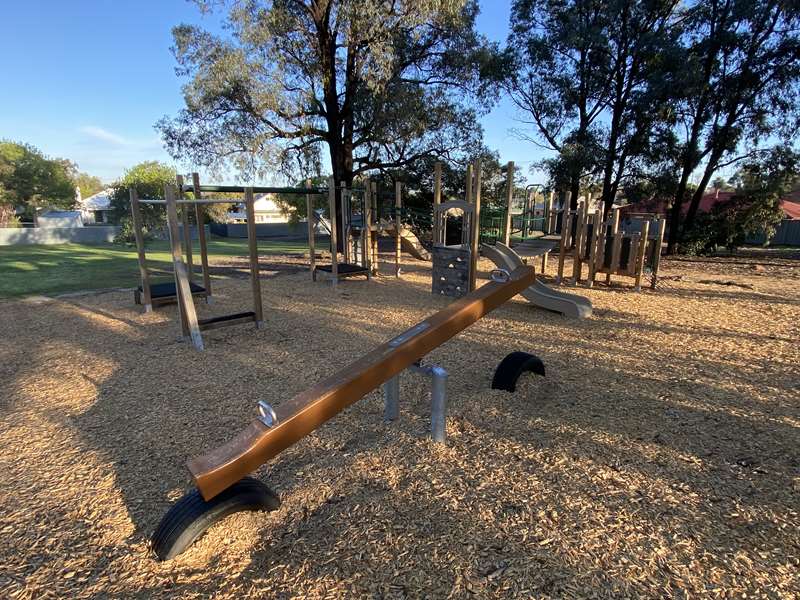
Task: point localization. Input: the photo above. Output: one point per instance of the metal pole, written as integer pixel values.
(438, 398)
(438, 404)
(391, 399)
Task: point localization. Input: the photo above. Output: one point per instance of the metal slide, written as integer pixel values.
(538, 294)
(408, 240)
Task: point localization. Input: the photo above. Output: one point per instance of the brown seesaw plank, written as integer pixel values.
(222, 467)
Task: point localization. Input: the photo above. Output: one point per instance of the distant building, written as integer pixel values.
(266, 211)
(95, 208)
(60, 218)
(790, 204)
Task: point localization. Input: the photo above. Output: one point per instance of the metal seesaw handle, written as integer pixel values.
(266, 414)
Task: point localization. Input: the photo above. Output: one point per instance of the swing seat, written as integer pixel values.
(343, 270)
(164, 293)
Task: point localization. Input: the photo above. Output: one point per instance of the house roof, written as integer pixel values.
(790, 204)
(791, 209)
(98, 201)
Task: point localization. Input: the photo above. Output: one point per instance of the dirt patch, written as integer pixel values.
(658, 458)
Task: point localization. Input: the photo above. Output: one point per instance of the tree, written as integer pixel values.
(593, 77)
(643, 54)
(88, 185)
(556, 72)
(740, 83)
(755, 206)
(378, 84)
(149, 179)
(30, 181)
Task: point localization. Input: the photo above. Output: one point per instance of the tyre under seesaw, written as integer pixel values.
(191, 516)
(221, 475)
(512, 367)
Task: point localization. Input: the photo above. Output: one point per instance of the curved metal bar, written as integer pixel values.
(220, 468)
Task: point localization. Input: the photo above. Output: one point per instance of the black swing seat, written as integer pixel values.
(225, 320)
(343, 270)
(164, 293)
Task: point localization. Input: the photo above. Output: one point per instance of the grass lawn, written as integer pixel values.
(34, 269)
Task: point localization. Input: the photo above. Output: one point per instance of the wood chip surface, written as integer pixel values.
(659, 458)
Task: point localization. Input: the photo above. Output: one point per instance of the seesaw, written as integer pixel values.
(220, 476)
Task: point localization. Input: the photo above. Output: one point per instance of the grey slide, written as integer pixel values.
(538, 294)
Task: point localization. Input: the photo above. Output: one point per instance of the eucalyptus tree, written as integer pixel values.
(376, 84)
(740, 86)
(593, 77)
(556, 73)
(643, 72)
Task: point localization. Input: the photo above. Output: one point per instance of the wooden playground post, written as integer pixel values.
(580, 234)
(374, 199)
(437, 200)
(398, 205)
(566, 230)
(199, 213)
(642, 255)
(253, 248)
(311, 237)
(186, 308)
(366, 229)
(137, 233)
(476, 228)
(548, 218)
(345, 202)
(468, 192)
(334, 252)
(662, 226)
(437, 183)
(187, 233)
(509, 200)
(616, 246)
(597, 250)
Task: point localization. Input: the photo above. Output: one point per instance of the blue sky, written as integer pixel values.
(86, 80)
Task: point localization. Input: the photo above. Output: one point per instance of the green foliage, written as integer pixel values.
(593, 78)
(89, 185)
(739, 81)
(753, 209)
(148, 179)
(29, 180)
(378, 85)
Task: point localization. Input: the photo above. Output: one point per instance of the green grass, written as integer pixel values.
(28, 270)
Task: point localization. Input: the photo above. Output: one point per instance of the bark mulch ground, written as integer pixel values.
(660, 457)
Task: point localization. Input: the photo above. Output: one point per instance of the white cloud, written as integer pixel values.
(104, 135)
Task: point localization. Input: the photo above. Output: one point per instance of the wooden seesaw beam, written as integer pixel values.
(222, 467)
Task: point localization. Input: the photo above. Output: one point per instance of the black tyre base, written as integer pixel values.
(514, 365)
(191, 516)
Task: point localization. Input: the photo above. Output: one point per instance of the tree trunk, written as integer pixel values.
(574, 190)
(700, 192)
(341, 154)
(691, 158)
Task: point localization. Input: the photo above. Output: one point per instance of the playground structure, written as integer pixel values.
(361, 231)
(356, 242)
(538, 294)
(455, 265)
(181, 291)
(630, 249)
(152, 295)
(607, 248)
(218, 475)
